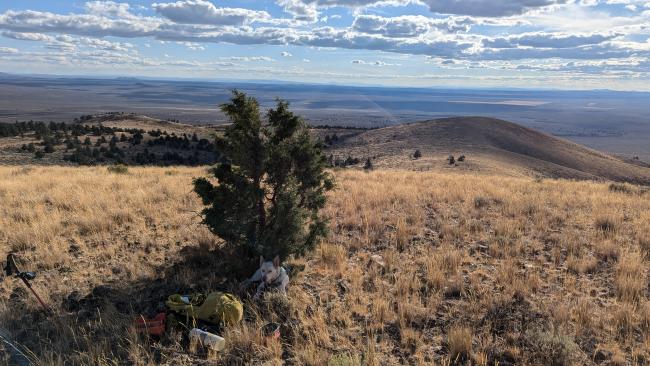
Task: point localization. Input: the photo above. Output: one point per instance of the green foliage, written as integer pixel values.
(345, 359)
(271, 184)
(49, 148)
(118, 169)
(368, 165)
(551, 348)
(619, 187)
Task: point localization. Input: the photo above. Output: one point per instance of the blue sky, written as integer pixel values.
(568, 44)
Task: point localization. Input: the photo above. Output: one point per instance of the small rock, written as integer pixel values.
(378, 259)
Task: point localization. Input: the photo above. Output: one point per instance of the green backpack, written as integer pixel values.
(215, 308)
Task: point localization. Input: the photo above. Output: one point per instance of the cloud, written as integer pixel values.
(479, 8)
(204, 12)
(591, 52)
(373, 63)
(301, 11)
(488, 8)
(547, 40)
(26, 36)
(444, 38)
(8, 50)
(102, 44)
(81, 24)
(193, 46)
(108, 8)
(285, 54)
(408, 25)
(250, 58)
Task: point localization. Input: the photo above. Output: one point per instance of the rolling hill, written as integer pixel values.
(107, 138)
(489, 145)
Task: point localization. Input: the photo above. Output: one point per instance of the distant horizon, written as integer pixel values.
(322, 83)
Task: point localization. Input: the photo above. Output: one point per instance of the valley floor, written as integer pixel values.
(419, 268)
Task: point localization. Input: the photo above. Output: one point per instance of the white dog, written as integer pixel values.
(271, 277)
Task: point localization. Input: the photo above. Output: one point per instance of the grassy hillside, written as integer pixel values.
(420, 267)
(106, 139)
(490, 145)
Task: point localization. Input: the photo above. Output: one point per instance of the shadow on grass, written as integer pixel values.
(94, 328)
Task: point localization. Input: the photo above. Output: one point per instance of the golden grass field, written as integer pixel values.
(419, 268)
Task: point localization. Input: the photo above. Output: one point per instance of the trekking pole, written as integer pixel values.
(12, 269)
(22, 276)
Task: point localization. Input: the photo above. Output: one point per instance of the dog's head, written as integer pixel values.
(270, 269)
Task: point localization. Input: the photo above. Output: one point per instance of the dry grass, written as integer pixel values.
(631, 281)
(460, 343)
(419, 268)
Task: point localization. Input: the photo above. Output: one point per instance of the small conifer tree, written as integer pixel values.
(368, 165)
(271, 185)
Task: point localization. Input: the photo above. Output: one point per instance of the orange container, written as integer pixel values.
(155, 326)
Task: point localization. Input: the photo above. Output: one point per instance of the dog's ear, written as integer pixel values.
(261, 260)
(276, 261)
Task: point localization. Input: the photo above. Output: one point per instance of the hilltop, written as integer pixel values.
(489, 145)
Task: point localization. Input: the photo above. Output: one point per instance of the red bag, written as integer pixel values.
(155, 326)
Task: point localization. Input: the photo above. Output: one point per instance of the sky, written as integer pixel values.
(564, 44)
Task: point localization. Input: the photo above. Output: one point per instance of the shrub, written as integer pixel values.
(606, 224)
(272, 186)
(451, 160)
(368, 165)
(39, 154)
(461, 158)
(345, 359)
(417, 154)
(480, 202)
(118, 169)
(49, 148)
(618, 187)
(551, 348)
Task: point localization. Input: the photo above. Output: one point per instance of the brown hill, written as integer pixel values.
(490, 145)
(87, 141)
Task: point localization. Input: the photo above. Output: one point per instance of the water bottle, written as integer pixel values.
(212, 342)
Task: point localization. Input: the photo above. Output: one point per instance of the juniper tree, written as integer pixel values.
(368, 165)
(271, 182)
